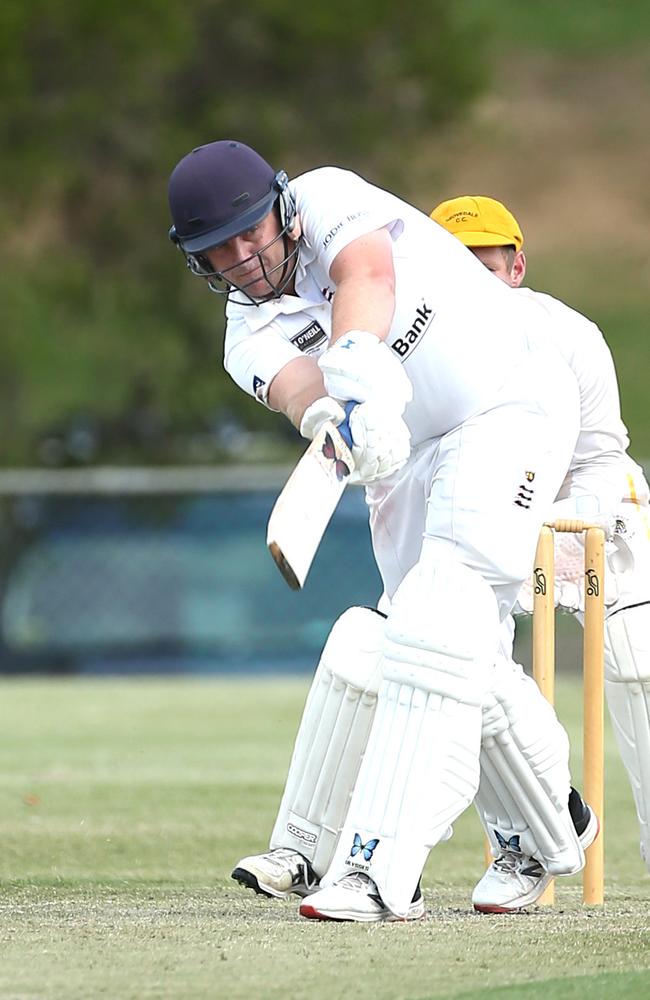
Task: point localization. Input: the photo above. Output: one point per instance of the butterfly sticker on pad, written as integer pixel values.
(366, 850)
(509, 845)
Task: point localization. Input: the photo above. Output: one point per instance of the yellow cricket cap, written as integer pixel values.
(478, 221)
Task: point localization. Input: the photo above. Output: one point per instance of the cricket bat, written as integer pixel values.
(305, 506)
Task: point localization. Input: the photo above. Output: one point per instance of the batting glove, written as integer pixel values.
(381, 442)
(361, 366)
(321, 411)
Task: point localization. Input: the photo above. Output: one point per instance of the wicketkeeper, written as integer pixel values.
(603, 483)
(337, 291)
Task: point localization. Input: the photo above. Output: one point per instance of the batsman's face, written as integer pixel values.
(503, 266)
(253, 260)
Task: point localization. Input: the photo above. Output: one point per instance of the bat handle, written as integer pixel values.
(344, 426)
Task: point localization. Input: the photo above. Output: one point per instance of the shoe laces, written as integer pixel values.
(359, 882)
(286, 859)
(509, 862)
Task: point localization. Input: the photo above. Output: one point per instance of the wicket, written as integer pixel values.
(593, 675)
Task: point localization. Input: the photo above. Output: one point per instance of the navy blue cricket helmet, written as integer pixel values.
(219, 191)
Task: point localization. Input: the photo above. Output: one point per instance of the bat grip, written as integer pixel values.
(344, 426)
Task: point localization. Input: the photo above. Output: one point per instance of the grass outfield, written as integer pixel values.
(125, 803)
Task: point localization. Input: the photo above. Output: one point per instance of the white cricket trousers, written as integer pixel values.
(484, 488)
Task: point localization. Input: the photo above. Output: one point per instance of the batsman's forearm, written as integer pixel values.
(295, 387)
(363, 304)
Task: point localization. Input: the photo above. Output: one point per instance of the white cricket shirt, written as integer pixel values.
(458, 330)
(600, 464)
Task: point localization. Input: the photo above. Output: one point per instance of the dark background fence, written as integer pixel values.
(166, 571)
(159, 571)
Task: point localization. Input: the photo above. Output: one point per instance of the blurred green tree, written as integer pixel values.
(97, 103)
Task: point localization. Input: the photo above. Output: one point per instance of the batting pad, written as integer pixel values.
(332, 738)
(525, 782)
(627, 690)
(420, 770)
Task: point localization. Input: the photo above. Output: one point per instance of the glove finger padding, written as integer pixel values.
(381, 442)
(361, 366)
(321, 411)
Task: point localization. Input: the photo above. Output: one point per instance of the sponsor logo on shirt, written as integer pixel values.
(421, 321)
(310, 339)
(339, 225)
(258, 386)
(525, 494)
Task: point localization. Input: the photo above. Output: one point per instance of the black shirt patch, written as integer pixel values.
(310, 339)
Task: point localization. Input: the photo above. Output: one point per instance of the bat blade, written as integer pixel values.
(305, 506)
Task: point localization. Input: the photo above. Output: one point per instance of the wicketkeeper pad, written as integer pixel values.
(332, 738)
(627, 689)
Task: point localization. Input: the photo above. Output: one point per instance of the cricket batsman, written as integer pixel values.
(459, 403)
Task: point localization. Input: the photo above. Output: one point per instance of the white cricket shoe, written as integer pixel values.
(278, 873)
(512, 882)
(515, 880)
(355, 897)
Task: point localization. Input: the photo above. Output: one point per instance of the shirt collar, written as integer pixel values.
(257, 317)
